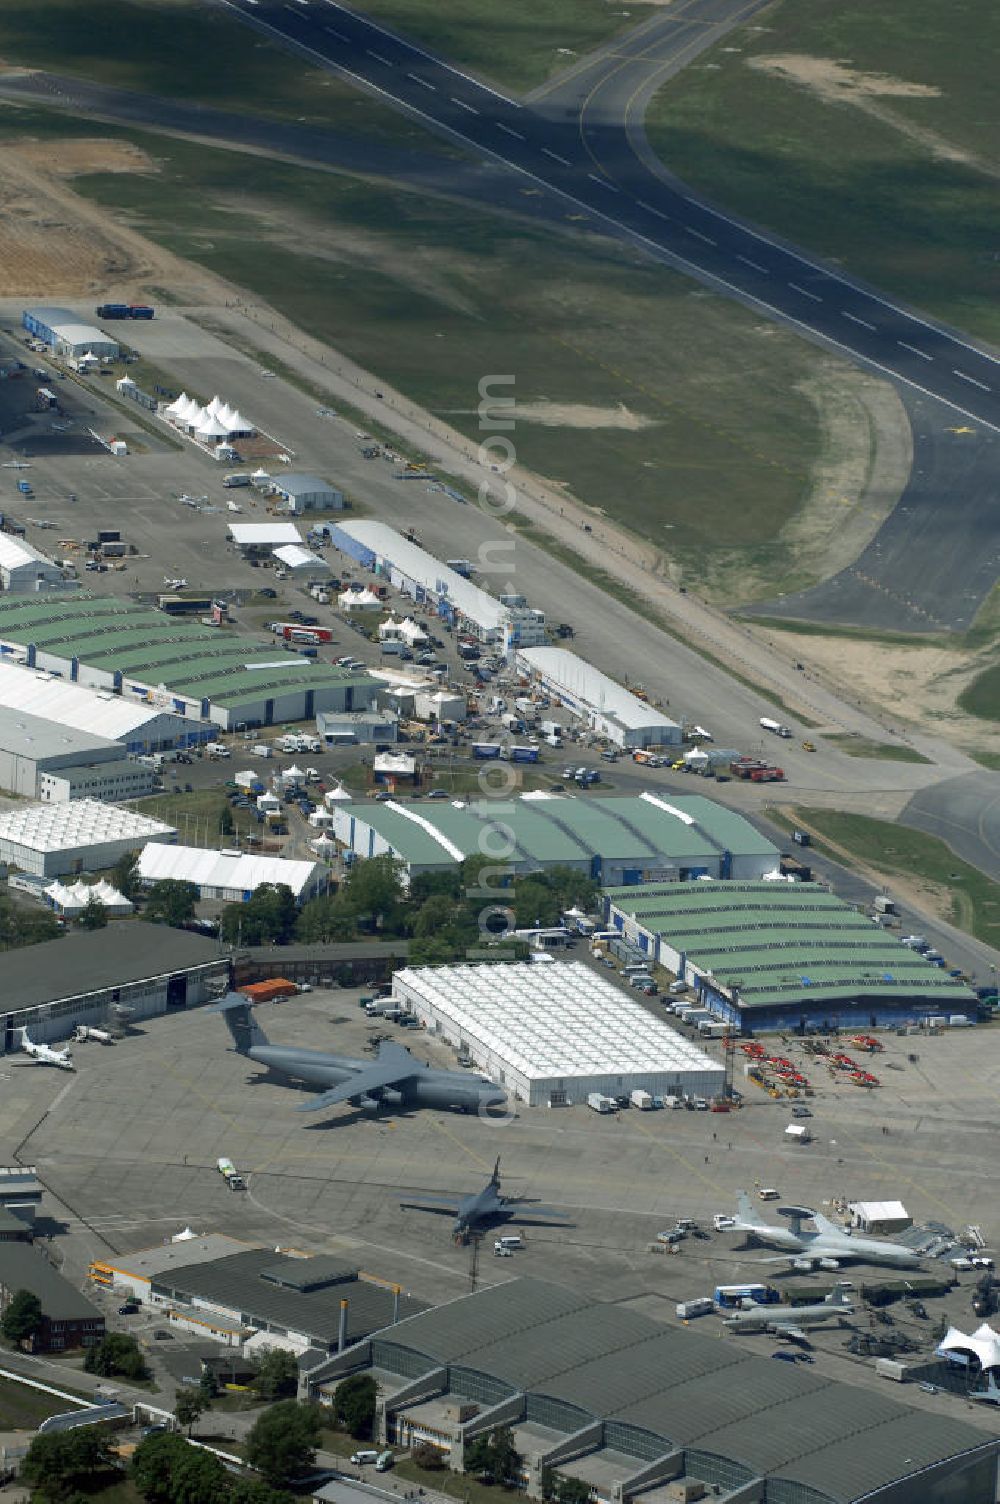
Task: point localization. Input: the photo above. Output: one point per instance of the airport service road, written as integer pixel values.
(965, 812)
(602, 173)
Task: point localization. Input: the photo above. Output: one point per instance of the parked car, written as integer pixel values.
(129, 1308)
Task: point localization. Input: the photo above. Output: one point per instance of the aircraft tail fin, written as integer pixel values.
(495, 1177)
(242, 1025)
(744, 1210)
(25, 1041)
(823, 1224)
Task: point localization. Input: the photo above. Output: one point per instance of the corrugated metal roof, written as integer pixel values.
(413, 561)
(23, 1267)
(235, 1284)
(688, 1389)
(451, 1332)
(84, 961)
(561, 667)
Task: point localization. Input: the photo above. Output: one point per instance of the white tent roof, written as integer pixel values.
(72, 898)
(237, 422)
(215, 407)
(175, 408)
(337, 795)
(239, 872)
(261, 474)
(880, 1211)
(78, 823)
(297, 557)
(195, 416)
(211, 429)
(359, 598)
(264, 534)
(984, 1343)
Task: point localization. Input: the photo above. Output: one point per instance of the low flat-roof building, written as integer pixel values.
(69, 1319)
(606, 1395)
(83, 978)
(20, 1192)
(552, 1035)
(66, 332)
(650, 838)
(301, 563)
(363, 726)
(777, 955)
(233, 1293)
(307, 493)
(231, 876)
(608, 708)
(40, 759)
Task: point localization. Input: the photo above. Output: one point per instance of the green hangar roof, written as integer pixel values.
(782, 943)
(116, 636)
(661, 1389)
(645, 832)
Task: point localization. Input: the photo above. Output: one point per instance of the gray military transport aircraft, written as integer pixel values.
(393, 1080)
(793, 1321)
(826, 1248)
(486, 1207)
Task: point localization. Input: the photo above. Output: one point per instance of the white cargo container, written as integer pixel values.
(600, 1103)
(642, 1100)
(891, 1368)
(687, 1308)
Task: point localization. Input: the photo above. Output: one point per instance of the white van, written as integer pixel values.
(510, 1240)
(364, 1458)
(677, 988)
(217, 749)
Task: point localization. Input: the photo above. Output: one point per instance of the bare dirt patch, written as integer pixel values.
(837, 83)
(55, 244)
(578, 415)
(920, 684)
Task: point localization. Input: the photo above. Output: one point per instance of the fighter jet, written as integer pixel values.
(826, 1248)
(487, 1206)
(793, 1321)
(44, 1054)
(394, 1079)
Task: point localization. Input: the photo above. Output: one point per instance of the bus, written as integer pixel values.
(735, 1297)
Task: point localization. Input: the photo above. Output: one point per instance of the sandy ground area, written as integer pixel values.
(836, 83)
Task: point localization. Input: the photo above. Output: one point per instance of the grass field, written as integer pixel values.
(668, 409)
(199, 816)
(860, 177)
(23, 1408)
(894, 850)
(982, 697)
(173, 48)
(863, 746)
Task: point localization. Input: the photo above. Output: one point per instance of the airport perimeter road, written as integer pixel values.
(590, 161)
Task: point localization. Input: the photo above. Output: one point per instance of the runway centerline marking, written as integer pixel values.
(602, 182)
(509, 130)
(805, 292)
(338, 34)
(423, 82)
(556, 157)
(463, 106)
(856, 320)
(964, 376)
(913, 350)
(699, 236)
(650, 210)
(380, 59)
(755, 264)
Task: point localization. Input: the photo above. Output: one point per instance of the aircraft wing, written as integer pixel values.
(529, 1212)
(394, 1064)
(795, 1332)
(434, 1203)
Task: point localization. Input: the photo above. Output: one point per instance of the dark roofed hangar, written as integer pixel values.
(629, 1405)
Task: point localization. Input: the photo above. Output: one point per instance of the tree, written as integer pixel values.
(116, 1353)
(571, 1491)
(208, 1386)
(125, 874)
(166, 1469)
(23, 926)
(493, 1455)
(436, 952)
(61, 1464)
(354, 1405)
(189, 1404)
(22, 1318)
(534, 904)
(277, 1374)
(155, 1462)
(172, 902)
(94, 915)
(374, 890)
(268, 917)
(281, 1444)
(427, 1457)
(326, 918)
(431, 884)
(433, 916)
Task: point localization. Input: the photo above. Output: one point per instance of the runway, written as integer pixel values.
(586, 154)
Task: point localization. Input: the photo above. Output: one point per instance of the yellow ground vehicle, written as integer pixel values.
(809, 746)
